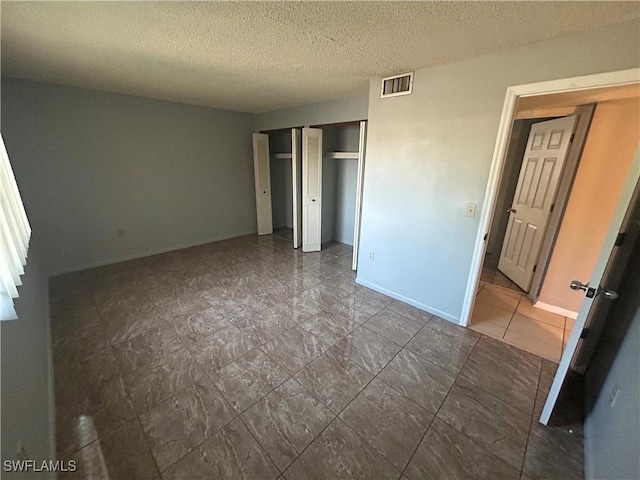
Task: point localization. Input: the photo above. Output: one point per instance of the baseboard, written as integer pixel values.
(553, 309)
(149, 253)
(421, 306)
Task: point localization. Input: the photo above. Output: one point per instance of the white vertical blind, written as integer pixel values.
(14, 237)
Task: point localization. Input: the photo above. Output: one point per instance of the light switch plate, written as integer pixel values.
(471, 210)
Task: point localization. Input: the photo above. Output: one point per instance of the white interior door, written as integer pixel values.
(296, 175)
(262, 173)
(540, 173)
(604, 280)
(311, 189)
(359, 189)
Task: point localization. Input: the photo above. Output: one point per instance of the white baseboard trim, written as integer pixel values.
(149, 253)
(553, 309)
(397, 296)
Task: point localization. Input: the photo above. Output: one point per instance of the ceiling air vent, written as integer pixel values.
(397, 85)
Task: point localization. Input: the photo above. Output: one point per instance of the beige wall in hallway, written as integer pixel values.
(610, 147)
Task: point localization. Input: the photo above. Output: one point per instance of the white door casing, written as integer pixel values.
(535, 194)
(311, 189)
(262, 173)
(296, 175)
(359, 190)
(606, 274)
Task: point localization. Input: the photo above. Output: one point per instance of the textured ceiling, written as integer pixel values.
(259, 56)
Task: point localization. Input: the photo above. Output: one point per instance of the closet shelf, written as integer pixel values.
(282, 155)
(353, 155)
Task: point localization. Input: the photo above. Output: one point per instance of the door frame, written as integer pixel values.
(598, 80)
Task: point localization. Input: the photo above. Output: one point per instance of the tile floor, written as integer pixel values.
(504, 312)
(248, 359)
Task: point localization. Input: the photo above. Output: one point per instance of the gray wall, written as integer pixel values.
(281, 193)
(27, 393)
(429, 154)
(332, 111)
(90, 163)
(328, 198)
(612, 432)
(345, 200)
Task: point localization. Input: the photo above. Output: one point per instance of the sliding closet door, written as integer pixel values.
(311, 189)
(262, 174)
(296, 175)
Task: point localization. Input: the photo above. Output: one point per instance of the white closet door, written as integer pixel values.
(262, 173)
(296, 175)
(311, 189)
(359, 188)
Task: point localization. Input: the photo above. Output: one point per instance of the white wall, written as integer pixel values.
(89, 163)
(331, 111)
(429, 154)
(27, 394)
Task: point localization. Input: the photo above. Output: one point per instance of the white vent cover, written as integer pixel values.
(397, 85)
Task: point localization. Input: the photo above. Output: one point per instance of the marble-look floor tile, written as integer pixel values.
(368, 349)
(420, 380)
(397, 328)
(372, 297)
(388, 421)
(221, 348)
(444, 344)
(286, 421)
(446, 454)
(554, 452)
(495, 425)
(248, 379)
(409, 311)
(232, 453)
(123, 453)
(353, 308)
(125, 328)
(499, 297)
(148, 349)
(330, 328)
(182, 422)
(150, 385)
(266, 325)
(76, 430)
(334, 379)
(519, 372)
(295, 348)
(340, 454)
(192, 328)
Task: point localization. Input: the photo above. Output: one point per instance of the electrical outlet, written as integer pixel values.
(372, 255)
(471, 210)
(120, 233)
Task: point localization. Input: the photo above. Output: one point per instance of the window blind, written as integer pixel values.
(15, 233)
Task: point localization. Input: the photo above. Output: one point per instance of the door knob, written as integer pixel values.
(576, 285)
(592, 292)
(511, 210)
(608, 294)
